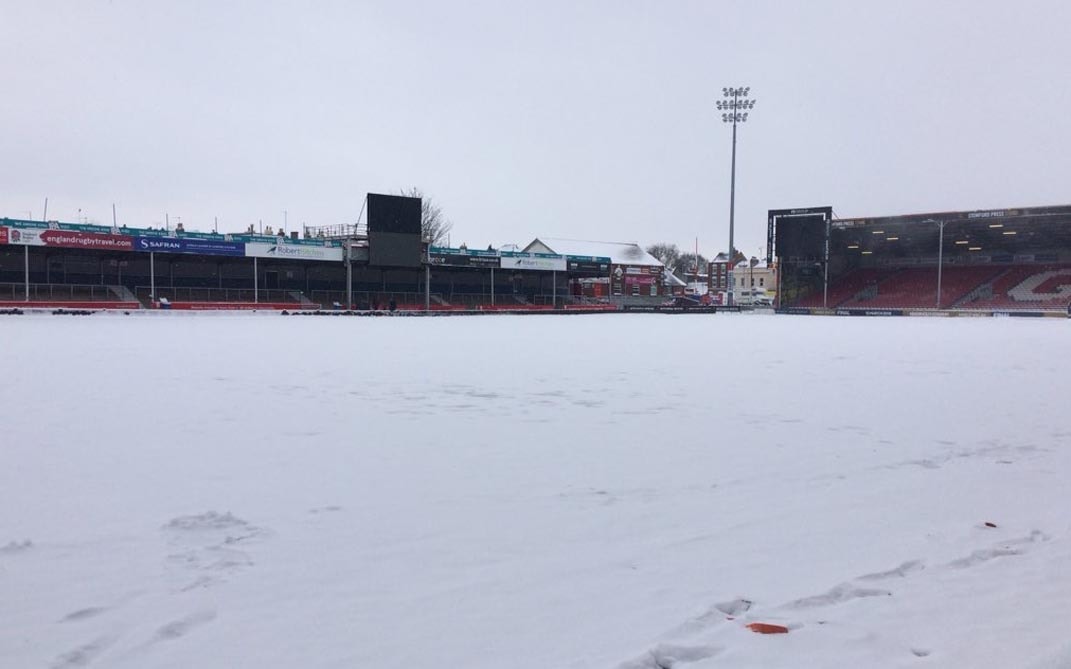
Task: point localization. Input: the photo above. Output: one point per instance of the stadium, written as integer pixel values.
(377, 265)
(1014, 261)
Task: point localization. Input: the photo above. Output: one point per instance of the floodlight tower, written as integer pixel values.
(734, 110)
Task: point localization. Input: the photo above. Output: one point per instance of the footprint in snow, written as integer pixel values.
(837, 595)
(84, 654)
(1003, 549)
(13, 547)
(667, 656)
(325, 509)
(897, 572)
(177, 629)
(212, 545)
(83, 614)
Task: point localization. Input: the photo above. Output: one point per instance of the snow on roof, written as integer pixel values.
(619, 253)
(671, 279)
(745, 263)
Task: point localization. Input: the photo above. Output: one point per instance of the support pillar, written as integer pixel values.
(940, 258)
(349, 277)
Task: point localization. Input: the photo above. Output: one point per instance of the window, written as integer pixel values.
(636, 289)
(654, 289)
(762, 281)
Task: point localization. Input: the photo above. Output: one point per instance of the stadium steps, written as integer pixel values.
(124, 294)
(982, 292)
(300, 298)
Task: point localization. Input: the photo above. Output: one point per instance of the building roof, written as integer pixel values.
(746, 264)
(619, 253)
(670, 279)
(743, 263)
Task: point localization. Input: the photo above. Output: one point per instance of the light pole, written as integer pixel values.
(940, 254)
(754, 261)
(734, 110)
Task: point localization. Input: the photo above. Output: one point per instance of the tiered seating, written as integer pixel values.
(956, 282)
(916, 287)
(1028, 287)
(846, 288)
(912, 287)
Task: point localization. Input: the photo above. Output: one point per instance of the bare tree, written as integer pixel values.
(690, 266)
(668, 254)
(683, 265)
(434, 226)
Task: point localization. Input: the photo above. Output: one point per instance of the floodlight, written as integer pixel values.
(736, 109)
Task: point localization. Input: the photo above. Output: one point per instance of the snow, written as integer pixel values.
(533, 492)
(619, 253)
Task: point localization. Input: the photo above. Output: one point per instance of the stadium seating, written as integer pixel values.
(846, 288)
(916, 287)
(970, 287)
(1027, 287)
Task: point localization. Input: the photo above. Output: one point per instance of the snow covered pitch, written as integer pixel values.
(510, 492)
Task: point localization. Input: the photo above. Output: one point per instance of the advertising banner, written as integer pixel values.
(534, 262)
(458, 260)
(592, 264)
(869, 312)
(3, 235)
(198, 246)
(292, 251)
(70, 239)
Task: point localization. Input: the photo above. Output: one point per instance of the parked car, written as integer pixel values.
(682, 302)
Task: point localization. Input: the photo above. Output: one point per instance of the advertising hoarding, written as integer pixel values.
(532, 261)
(292, 251)
(198, 246)
(71, 239)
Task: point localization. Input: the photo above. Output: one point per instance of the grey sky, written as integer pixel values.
(571, 119)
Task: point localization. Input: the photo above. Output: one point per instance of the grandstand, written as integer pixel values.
(53, 264)
(1006, 260)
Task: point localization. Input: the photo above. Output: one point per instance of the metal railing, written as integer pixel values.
(336, 231)
(366, 299)
(182, 294)
(51, 292)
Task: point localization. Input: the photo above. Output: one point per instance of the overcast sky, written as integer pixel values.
(591, 120)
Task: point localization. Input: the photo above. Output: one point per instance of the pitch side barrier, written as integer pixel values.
(85, 305)
(639, 309)
(435, 313)
(919, 313)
